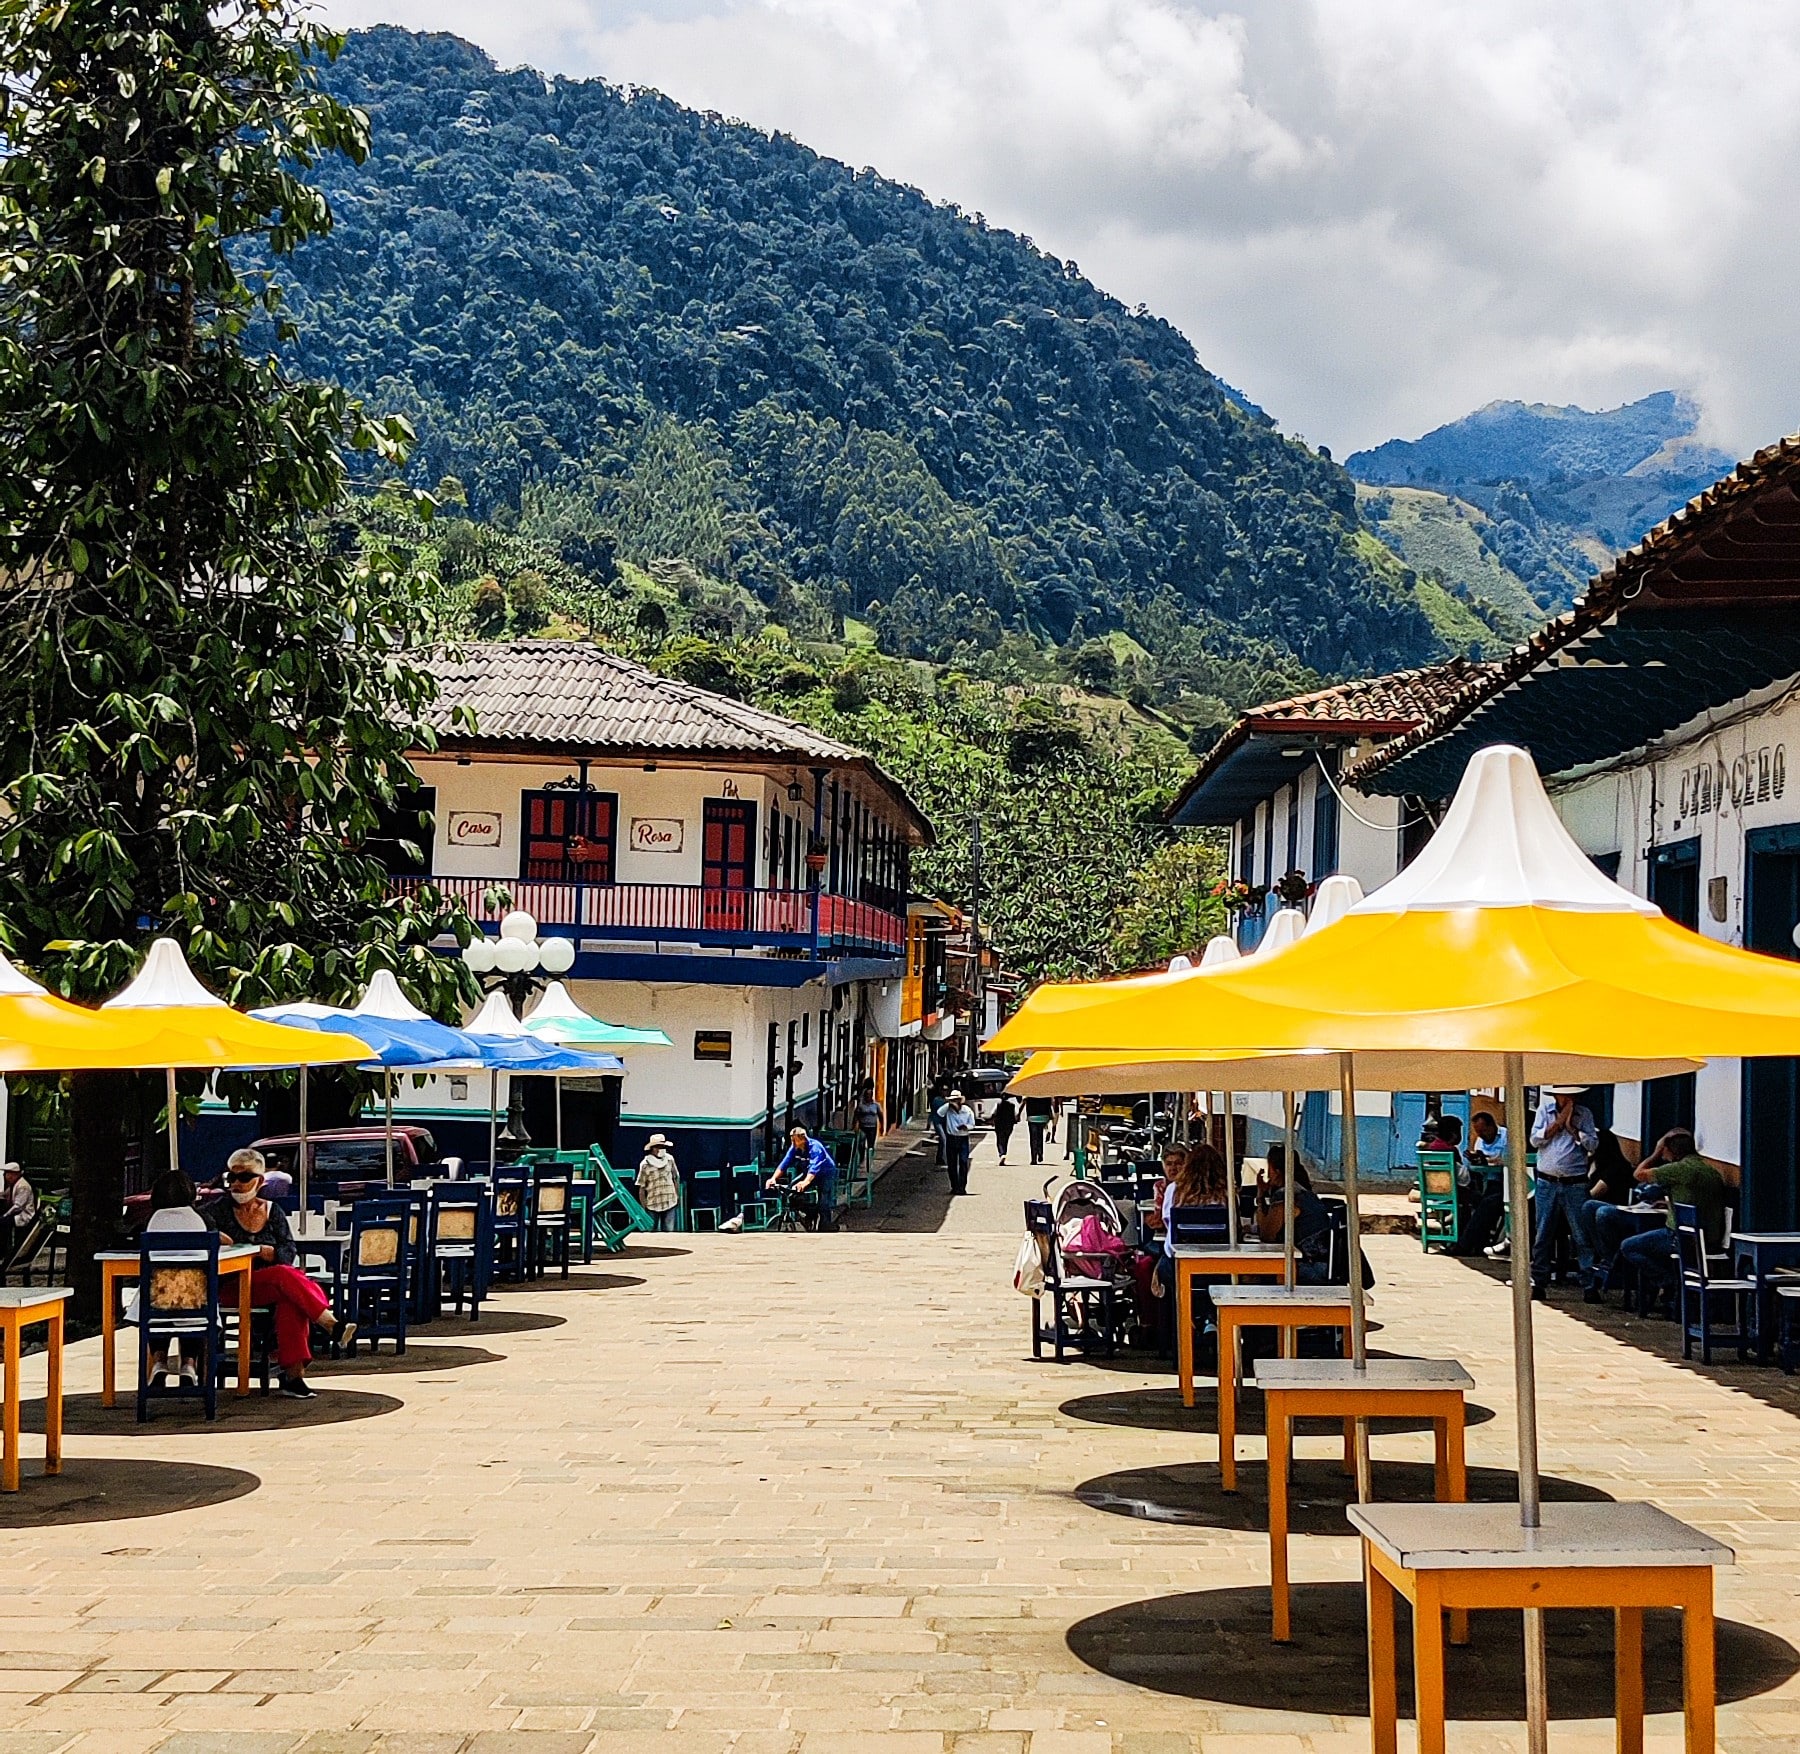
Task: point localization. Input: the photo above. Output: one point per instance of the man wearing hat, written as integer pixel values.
(959, 1136)
(1565, 1138)
(18, 1207)
(659, 1183)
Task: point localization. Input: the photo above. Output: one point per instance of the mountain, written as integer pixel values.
(1551, 493)
(711, 347)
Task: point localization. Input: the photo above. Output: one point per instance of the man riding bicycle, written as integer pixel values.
(814, 1189)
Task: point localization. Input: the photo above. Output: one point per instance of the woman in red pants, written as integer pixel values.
(243, 1216)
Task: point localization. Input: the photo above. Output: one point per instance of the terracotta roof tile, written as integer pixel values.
(1405, 695)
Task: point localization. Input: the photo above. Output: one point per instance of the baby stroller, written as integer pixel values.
(1090, 1232)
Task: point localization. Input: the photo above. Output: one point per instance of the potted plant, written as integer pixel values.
(1238, 896)
(1293, 889)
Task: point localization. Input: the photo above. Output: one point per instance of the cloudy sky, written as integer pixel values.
(1370, 215)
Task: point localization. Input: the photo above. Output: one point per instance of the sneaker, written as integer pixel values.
(1497, 1251)
(297, 1388)
(190, 1374)
(344, 1335)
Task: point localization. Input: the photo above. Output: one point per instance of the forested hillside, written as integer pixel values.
(711, 349)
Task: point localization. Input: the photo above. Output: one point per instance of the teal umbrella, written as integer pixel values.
(557, 1018)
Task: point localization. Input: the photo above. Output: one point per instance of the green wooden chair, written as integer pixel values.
(1440, 1221)
(617, 1211)
(746, 1180)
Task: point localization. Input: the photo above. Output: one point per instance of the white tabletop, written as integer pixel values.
(1765, 1236)
(1278, 1296)
(1215, 1251)
(30, 1296)
(1379, 1374)
(313, 1238)
(231, 1251)
(1454, 1537)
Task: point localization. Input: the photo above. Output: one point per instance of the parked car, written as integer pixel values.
(982, 1085)
(343, 1163)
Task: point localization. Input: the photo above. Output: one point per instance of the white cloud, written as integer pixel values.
(1371, 217)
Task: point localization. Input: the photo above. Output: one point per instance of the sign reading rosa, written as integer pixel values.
(474, 828)
(656, 834)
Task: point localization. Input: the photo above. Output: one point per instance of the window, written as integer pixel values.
(1326, 819)
(570, 837)
(403, 837)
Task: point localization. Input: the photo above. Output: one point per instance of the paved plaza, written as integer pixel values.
(809, 1495)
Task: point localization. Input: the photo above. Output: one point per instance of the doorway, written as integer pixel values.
(1771, 1098)
(727, 863)
(1675, 888)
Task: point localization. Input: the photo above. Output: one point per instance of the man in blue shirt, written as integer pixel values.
(816, 1186)
(1565, 1138)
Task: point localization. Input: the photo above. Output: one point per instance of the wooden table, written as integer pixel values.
(1333, 1388)
(1213, 1260)
(119, 1265)
(1289, 1308)
(1766, 1252)
(22, 1307)
(1627, 1557)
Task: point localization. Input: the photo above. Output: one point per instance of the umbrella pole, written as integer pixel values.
(558, 1083)
(1231, 1176)
(1287, 1195)
(387, 1079)
(493, 1120)
(1359, 1331)
(1537, 1707)
(174, 1121)
(302, 1151)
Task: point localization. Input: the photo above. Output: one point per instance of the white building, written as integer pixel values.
(1664, 712)
(1276, 781)
(729, 877)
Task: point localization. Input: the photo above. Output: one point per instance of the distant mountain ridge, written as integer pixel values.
(1557, 490)
(814, 383)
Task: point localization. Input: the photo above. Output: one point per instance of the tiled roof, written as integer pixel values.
(568, 698)
(1405, 697)
(1734, 545)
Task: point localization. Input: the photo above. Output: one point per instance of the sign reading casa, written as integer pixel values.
(656, 834)
(473, 828)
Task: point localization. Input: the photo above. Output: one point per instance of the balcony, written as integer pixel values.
(737, 919)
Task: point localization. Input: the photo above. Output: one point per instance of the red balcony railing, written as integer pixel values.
(688, 911)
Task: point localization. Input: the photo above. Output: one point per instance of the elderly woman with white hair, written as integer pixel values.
(244, 1217)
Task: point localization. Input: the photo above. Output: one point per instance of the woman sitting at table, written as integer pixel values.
(1194, 1177)
(1312, 1223)
(243, 1217)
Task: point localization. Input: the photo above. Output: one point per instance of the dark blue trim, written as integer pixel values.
(729, 971)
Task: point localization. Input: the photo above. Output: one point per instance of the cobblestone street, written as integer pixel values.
(805, 1495)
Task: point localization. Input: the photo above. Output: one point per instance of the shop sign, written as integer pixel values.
(1754, 777)
(656, 834)
(712, 1044)
(474, 828)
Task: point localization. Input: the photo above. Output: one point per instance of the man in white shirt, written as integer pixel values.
(1565, 1138)
(18, 1207)
(959, 1128)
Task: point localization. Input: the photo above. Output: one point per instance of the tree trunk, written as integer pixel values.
(99, 1104)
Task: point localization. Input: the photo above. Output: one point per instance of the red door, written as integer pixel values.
(728, 864)
(569, 837)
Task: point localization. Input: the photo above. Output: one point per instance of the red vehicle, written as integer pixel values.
(343, 1163)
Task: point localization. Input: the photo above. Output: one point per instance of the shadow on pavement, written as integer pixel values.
(1214, 1645)
(415, 1358)
(579, 1279)
(1189, 1493)
(1161, 1410)
(84, 1416)
(97, 1489)
(636, 1251)
(495, 1319)
(912, 1197)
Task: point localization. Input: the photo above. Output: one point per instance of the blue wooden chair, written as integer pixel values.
(178, 1300)
(550, 1221)
(1700, 1293)
(454, 1228)
(511, 1191)
(375, 1285)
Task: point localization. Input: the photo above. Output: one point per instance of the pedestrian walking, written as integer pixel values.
(868, 1119)
(659, 1183)
(1039, 1111)
(959, 1130)
(1565, 1138)
(1006, 1118)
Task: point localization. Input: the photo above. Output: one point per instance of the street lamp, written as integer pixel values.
(517, 963)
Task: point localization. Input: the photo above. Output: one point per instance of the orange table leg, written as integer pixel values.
(9, 1409)
(243, 1361)
(1628, 1679)
(1279, 1446)
(109, 1312)
(1384, 1727)
(1228, 1374)
(1349, 1446)
(53, 1396)
(1428, 1664)
(1184, 1329)
(1698, 1679)
(1452, 1487)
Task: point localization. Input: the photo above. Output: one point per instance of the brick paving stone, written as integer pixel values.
(794, 1495)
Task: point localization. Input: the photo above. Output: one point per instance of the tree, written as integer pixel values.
(530, 601)
(487, 607)
(1171, 910)
(703, 663)
(206, 700)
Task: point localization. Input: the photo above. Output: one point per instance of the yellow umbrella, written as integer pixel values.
(1501, 948)
(167, 1019)
(42, 1033)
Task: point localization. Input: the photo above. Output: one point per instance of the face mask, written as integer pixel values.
(243, 1196)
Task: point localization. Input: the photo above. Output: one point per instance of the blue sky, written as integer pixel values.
(1370, 215)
